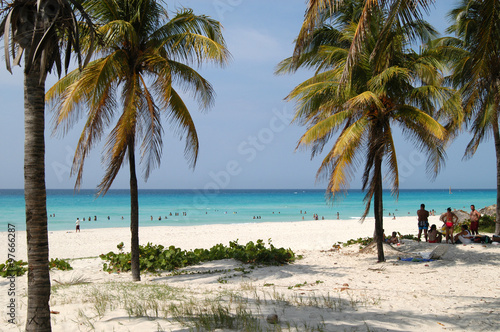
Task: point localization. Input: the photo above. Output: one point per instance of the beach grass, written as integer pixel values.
(243, 308)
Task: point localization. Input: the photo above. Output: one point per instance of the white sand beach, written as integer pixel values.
(326, 290)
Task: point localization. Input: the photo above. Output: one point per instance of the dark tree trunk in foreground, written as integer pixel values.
(38, 313)
(378, 209)
(496, 136)
(134, 217)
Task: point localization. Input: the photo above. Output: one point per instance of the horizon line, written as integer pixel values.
(213, 190)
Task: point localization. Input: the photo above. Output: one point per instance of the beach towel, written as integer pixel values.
(417, 259)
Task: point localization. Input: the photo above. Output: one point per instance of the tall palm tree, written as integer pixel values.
(476, 71)
(366, 107)
(38, 30)
(143, 54)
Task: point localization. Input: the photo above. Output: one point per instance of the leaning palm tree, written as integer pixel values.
(143, 55)
(364, 109)
(39, 30)
(476, 55)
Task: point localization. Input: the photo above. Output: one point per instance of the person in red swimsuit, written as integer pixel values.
(449, 220)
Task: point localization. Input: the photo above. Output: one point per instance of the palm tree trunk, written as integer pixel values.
(496, 135)
(378, 209)
(38, 313)
(134, 217)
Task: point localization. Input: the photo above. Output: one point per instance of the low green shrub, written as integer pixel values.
(154, 258)
(363, 241)
(18, 268)
(13, 268)
(487, 224)
(59, 264)
(407, 237)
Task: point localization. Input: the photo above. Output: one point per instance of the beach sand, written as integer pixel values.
(326, 290)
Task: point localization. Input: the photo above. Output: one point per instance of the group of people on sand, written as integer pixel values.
(449, 220)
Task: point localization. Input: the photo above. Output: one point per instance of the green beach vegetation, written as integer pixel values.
(361, 93)
(157, 258)
(18, 268)
(144, 62)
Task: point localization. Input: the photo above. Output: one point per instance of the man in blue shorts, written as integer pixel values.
(423, 221)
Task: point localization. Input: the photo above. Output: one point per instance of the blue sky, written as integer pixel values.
(246, 140)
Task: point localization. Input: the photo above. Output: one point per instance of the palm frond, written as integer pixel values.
(152, 144)
(183, 123)
(340, 163)
(122, 137)
(323, 128)
(365, 100)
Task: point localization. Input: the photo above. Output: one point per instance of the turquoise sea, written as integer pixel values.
(198, 207)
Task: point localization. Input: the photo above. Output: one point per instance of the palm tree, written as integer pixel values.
(404, 92)
(408, 12)
(476, 71)
(38, 30)
(143, 55)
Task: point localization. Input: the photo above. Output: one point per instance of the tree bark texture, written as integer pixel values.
(496, 136)
(38, 313)
(379, 209)
(134, 217)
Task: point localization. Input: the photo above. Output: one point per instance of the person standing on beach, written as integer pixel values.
(474, 220)
(423, 221)
(449, 219)
(77, 222)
